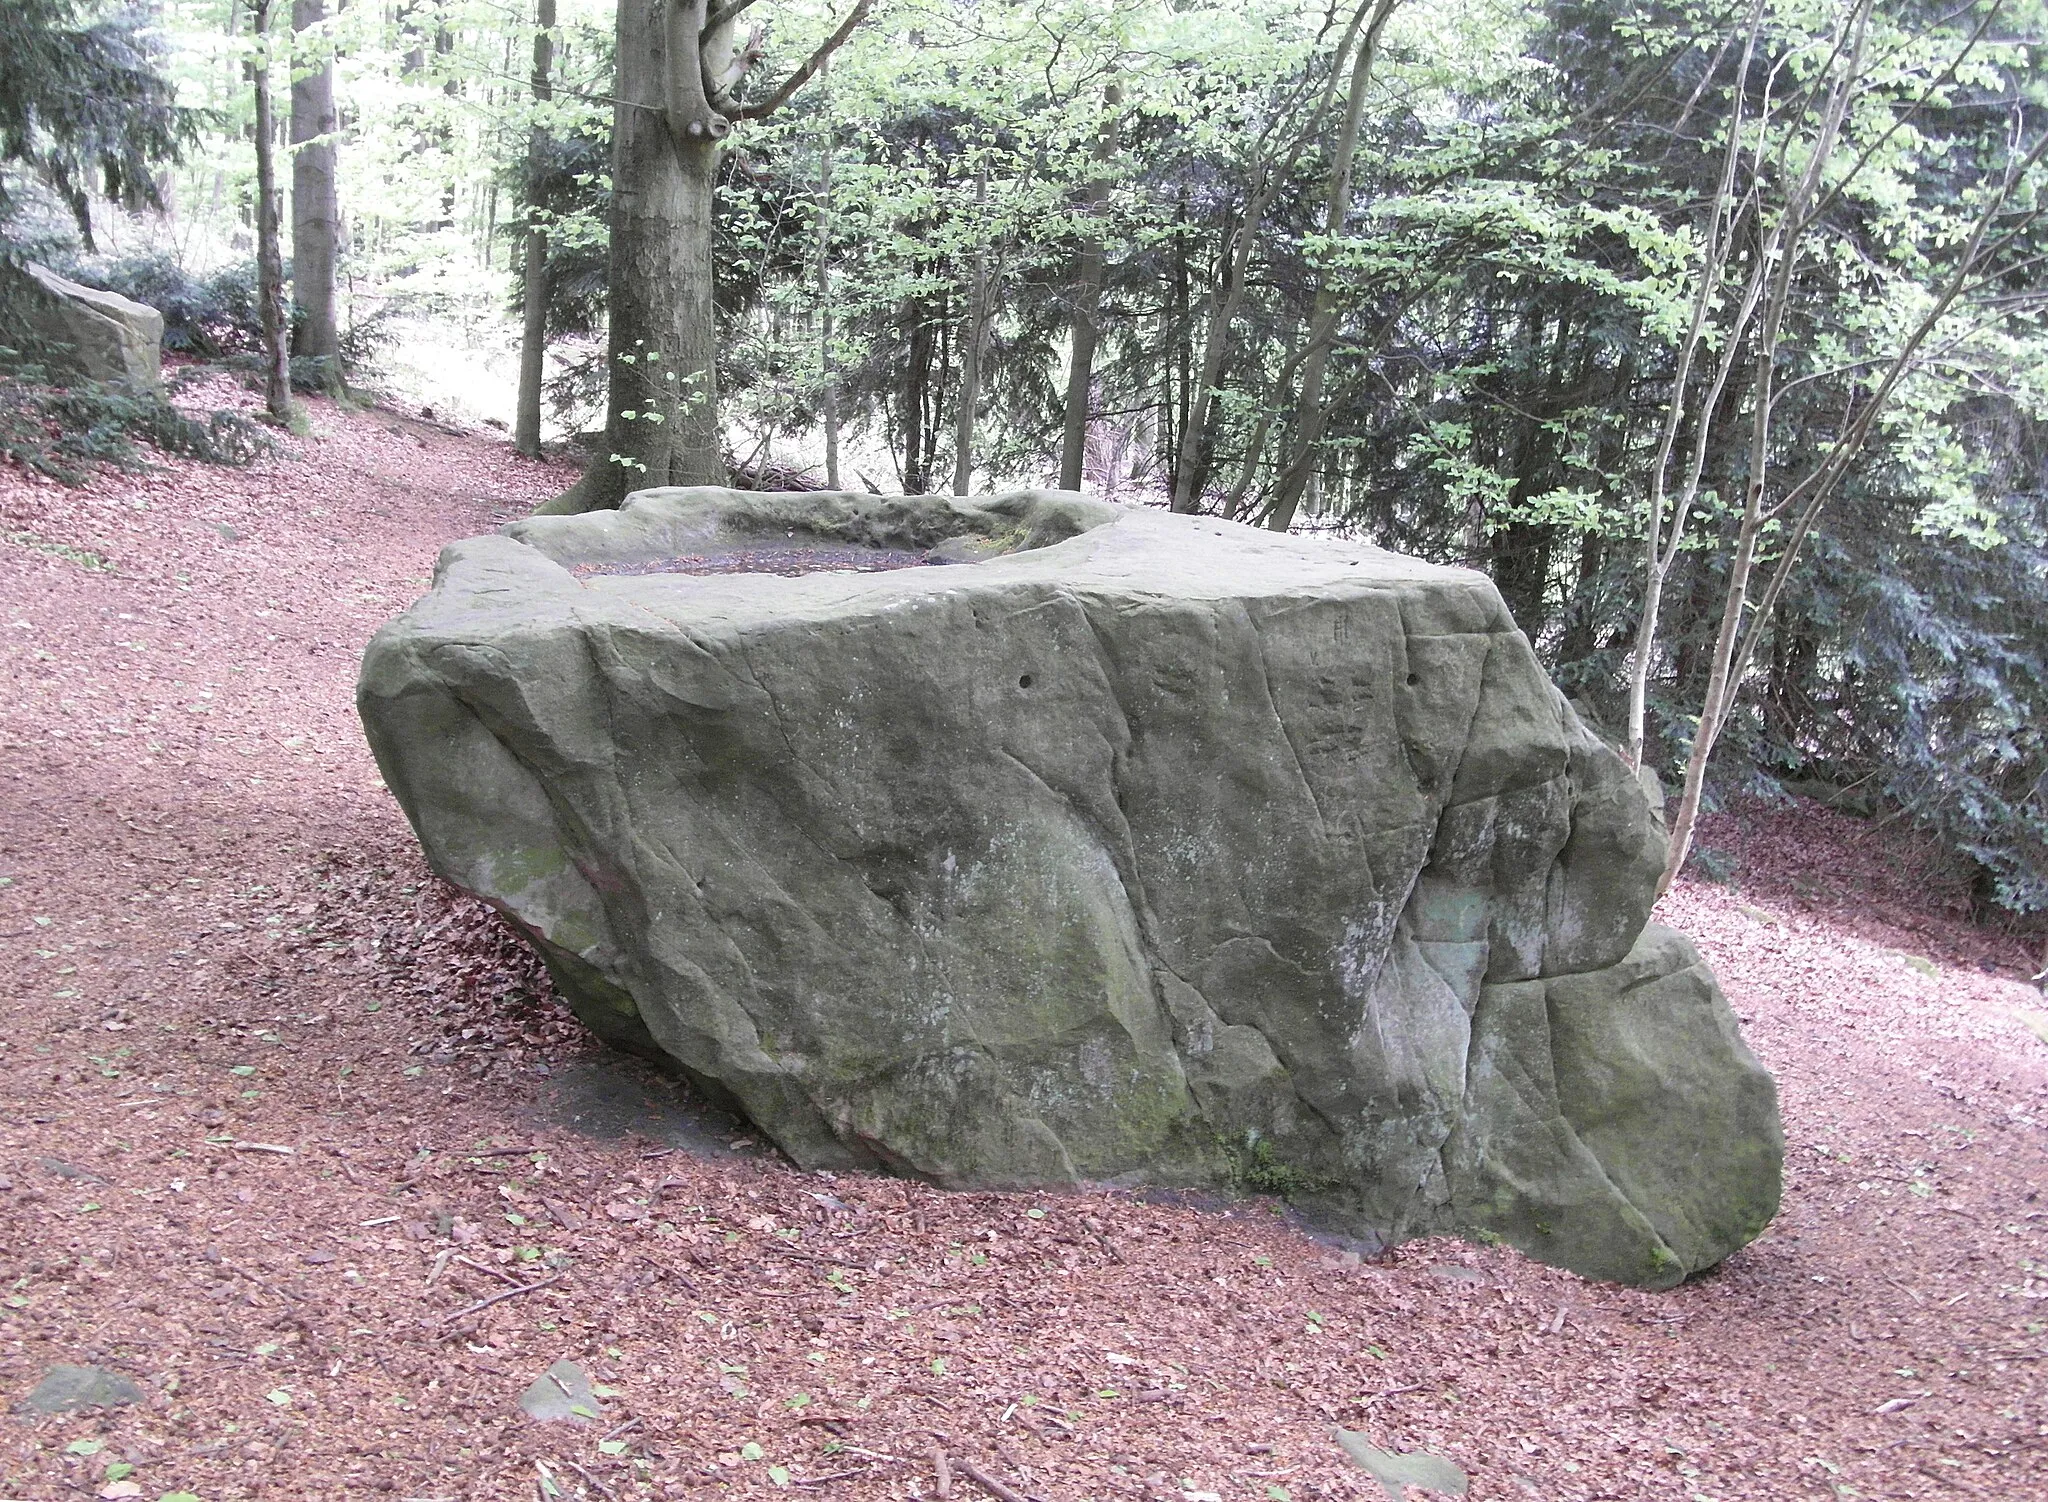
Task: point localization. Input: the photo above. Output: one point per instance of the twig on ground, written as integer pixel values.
(988, 1483)
(262, 1147)
(1389, 1392)
(944, 1474)
(497, 1272)
(591, 1479)
(440, 1262)
(616, 1430)
(510, 1293)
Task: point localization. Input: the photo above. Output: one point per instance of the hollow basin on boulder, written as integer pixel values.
(1034, 841)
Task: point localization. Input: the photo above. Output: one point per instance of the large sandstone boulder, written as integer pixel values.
(84, 333)
(1127, 847)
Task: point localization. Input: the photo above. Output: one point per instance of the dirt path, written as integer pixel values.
(220, 944)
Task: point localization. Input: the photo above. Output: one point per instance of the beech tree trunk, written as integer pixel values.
(277, 370)
(533, 340)
(316, 205)
(678, 69)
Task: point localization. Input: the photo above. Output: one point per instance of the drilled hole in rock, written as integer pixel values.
(1024, 681)
(1413, 679)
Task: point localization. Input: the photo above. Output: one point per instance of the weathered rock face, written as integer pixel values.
(84, 332)
(1147, 848)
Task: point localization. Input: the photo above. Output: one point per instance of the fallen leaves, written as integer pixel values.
(399, 1033)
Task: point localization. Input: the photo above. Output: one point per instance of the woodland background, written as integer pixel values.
(1712, 332)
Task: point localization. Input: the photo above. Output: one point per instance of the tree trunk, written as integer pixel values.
(277, 370)
(316, 211)
(1226, 295)
(1312, 415)
(533, 339)
(1085, 328)
(673, 104)
(828, 385)
(917, 402)
(661, 414)
(970, 352)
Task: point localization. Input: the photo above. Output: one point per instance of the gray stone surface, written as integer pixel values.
(1142, 849)
(65, 1388)
(561, 1395)
(84, 332)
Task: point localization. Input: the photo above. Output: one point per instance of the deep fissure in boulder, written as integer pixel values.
(1149, 849)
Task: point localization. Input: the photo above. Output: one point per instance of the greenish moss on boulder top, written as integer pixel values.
(1131, 847)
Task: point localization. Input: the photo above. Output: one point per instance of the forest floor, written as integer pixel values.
(277, 1110)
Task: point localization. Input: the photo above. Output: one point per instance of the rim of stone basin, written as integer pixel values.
(685, 531)
(790, 560)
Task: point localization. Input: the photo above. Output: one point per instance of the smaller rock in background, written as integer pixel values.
(65, 1388)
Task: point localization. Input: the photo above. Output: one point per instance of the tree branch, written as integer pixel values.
(730, 11)
(690, 115)
(809, 70)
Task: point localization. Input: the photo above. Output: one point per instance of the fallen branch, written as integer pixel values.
(497, 1272)
(944, 1472)
(261, 1147)
(591, 1479)
(988, 1483)
(496, 1298)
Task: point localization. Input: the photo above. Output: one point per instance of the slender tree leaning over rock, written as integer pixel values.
(680, 67)
(1971, 300)
(270, 299)
(533, 339)
(316, 202)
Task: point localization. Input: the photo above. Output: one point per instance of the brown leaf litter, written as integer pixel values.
(298, 1142)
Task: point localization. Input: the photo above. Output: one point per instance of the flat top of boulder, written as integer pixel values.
(652, 554)
(111, 303)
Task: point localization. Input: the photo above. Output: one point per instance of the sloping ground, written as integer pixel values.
(220, 944)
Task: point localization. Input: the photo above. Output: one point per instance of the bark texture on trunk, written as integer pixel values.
(316, 202)
(661, 414)
(533, 339)
(679, 67)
